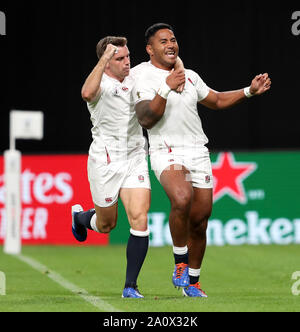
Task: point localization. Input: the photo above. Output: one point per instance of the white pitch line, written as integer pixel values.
(94, 300)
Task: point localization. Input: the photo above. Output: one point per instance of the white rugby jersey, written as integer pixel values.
(116, 133)
(180, 125)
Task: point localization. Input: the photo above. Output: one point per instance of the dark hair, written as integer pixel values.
(116, 41)
(154, 28)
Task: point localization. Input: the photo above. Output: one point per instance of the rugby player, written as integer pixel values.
(117, 165)
(178, 152)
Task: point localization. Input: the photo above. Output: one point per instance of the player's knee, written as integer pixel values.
(182, 200)
(107, 226)
(139, 221)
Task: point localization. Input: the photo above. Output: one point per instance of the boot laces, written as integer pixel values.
(180, 269)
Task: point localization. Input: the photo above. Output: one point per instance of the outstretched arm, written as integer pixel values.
(222, 100)
(91, 89)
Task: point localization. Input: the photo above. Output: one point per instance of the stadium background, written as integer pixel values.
(49, 50)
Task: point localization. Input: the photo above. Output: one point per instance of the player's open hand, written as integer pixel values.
(176, 79)
(260, 84)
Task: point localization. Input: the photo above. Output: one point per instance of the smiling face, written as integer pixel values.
(163, 49)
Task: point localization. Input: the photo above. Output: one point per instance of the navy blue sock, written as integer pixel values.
(136, 251)
(84, 218)
(181, 258)
(193, 280)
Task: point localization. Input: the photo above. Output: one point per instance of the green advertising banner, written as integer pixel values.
(256, 201)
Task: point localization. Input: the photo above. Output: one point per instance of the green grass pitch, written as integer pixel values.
(236, 279)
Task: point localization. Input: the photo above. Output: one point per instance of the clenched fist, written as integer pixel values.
(110, 51)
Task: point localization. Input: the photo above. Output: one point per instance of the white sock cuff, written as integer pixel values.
(93, 223)
(194, 272)
(180, 250)
(140, 233)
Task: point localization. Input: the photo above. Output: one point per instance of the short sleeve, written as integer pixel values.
(104, 88)
(201, 87)
(142, 90)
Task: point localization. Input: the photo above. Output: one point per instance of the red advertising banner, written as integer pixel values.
(50, 185)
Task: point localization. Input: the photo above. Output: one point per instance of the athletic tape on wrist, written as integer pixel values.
(247, 92)
(164, 90)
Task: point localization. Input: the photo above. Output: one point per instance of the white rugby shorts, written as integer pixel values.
(197, 162)
(106, 179)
